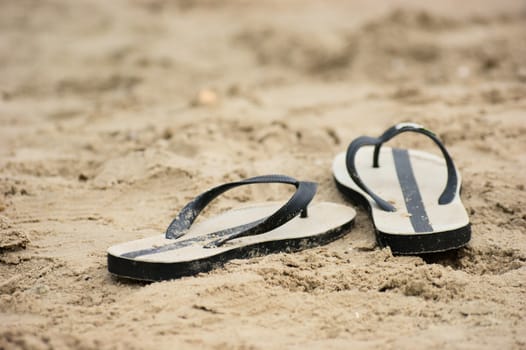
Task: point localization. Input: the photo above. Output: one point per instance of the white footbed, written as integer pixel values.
(322, 217)
(430, 173)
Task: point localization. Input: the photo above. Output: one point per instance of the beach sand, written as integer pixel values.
(114, 114)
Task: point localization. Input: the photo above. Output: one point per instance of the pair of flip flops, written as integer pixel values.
(415, 208)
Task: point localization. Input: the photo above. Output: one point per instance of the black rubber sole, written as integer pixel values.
(152, 271)
(414, 244)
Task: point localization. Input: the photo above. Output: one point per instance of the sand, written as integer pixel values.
(113, 114)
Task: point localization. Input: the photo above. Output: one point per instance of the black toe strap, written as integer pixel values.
(452, 178)
(297, 204)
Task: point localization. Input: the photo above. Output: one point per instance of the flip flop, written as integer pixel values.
(415, 206)
(187, 249)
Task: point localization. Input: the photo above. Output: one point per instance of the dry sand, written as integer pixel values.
(113, 114)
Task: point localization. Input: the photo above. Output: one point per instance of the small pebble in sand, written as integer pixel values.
(206, 97)
(463, 72)
(41, 289)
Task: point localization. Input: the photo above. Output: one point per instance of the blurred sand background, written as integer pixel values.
(113, 114)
